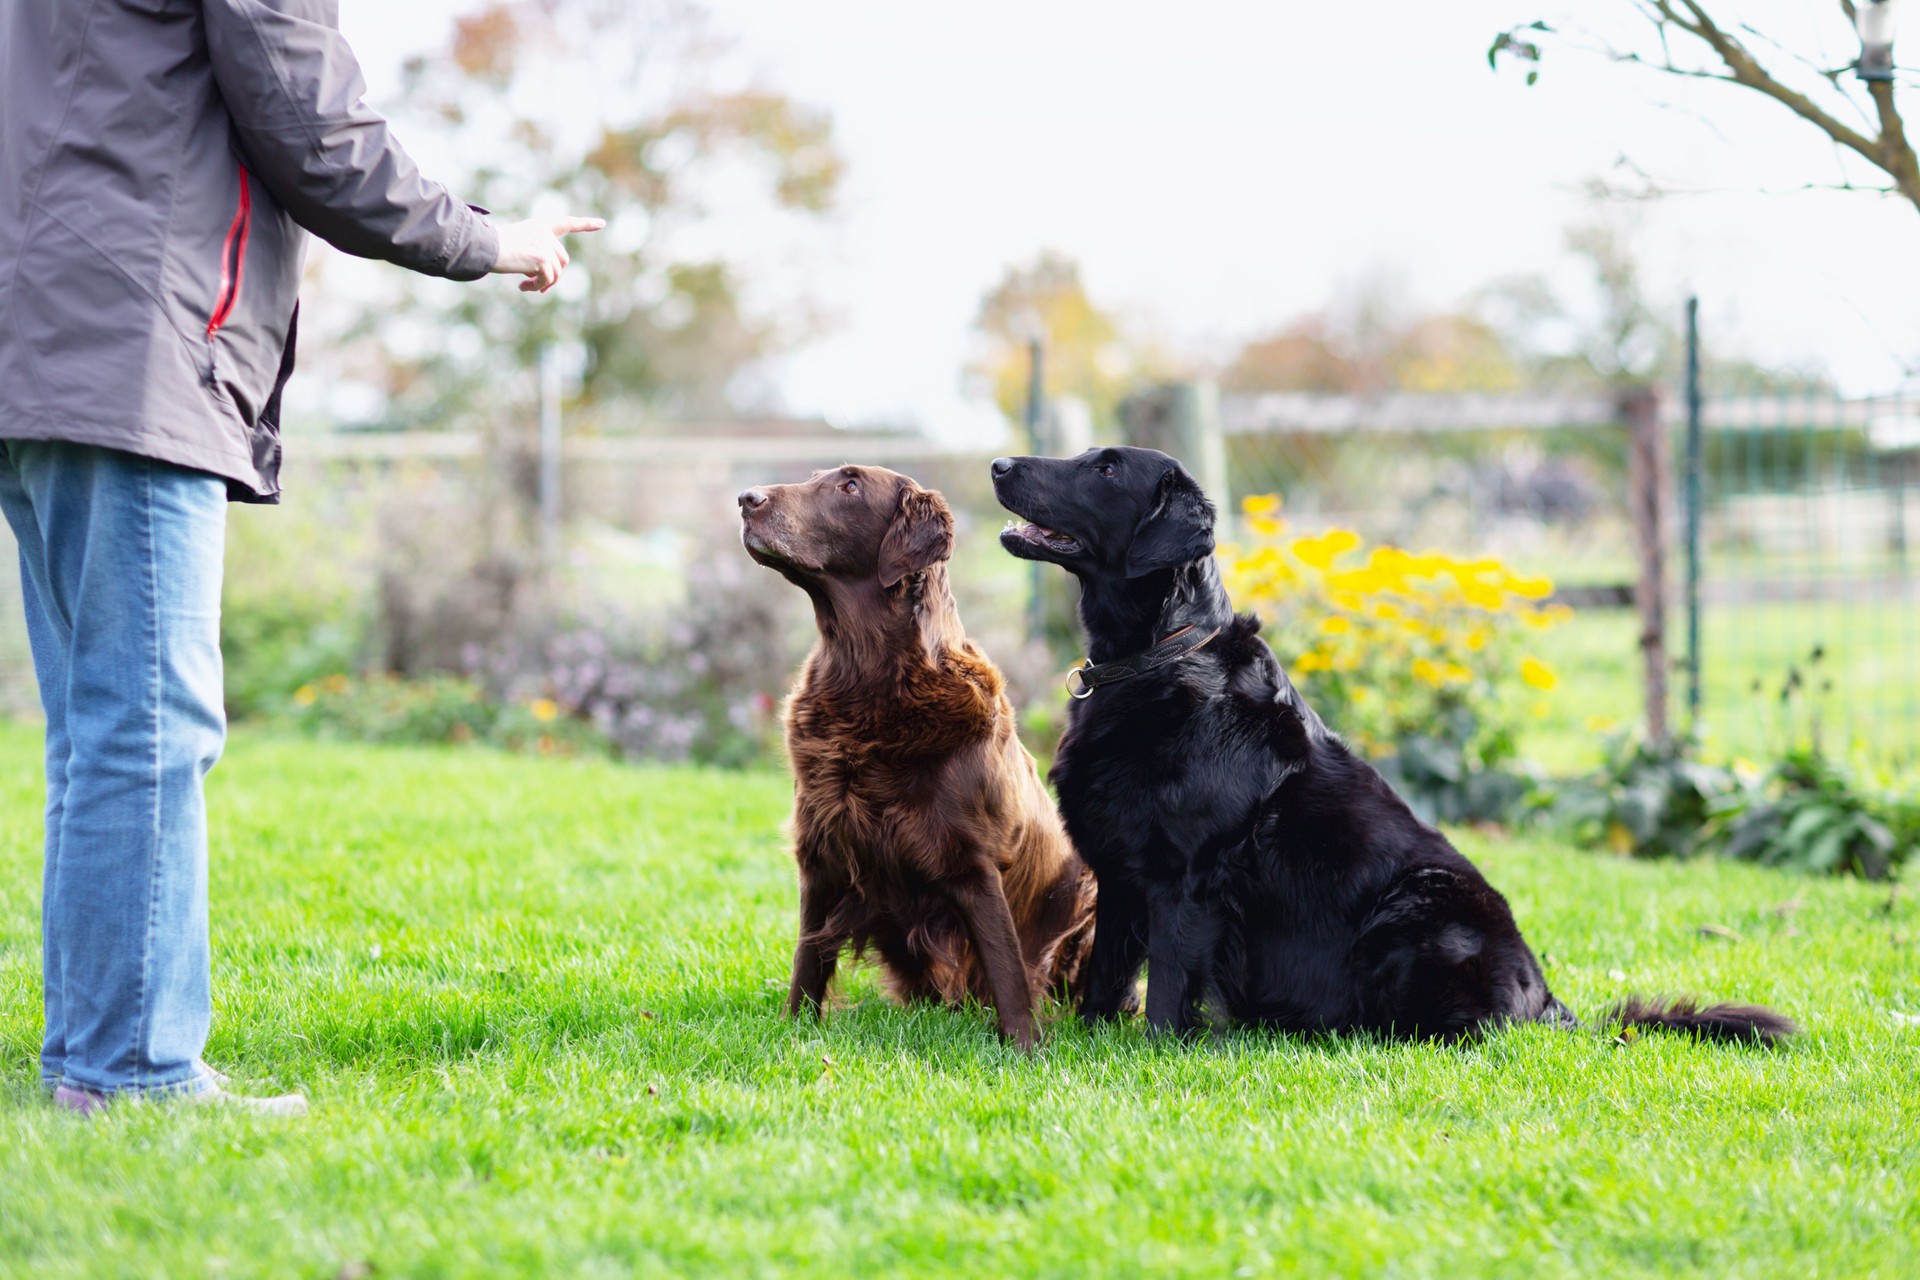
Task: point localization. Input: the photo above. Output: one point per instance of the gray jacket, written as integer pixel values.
(159, 160)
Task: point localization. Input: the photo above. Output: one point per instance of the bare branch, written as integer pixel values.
(1879, 138)
(1897, 156)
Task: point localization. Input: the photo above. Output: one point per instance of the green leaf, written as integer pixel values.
(1828, 851)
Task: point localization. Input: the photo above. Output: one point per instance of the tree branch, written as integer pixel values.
(1897, 158)
(1746, 70)
(1881, 138)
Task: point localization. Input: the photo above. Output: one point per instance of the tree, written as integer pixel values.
(631, 109)
(1612, 333)
(1685, 39)
(1085, 355)
(1373, 344)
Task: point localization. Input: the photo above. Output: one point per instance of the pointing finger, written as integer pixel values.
(576, 226)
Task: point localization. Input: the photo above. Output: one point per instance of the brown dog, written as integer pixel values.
(921, 826)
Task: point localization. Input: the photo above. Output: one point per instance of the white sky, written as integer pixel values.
(1220, 167)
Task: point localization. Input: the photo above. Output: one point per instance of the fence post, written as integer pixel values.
(1648, 490)
(1037, 441)
(1182, 419)
(1694, 463)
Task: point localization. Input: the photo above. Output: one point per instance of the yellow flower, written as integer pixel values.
(1537, 673)
(1619, 838)
(1261, 504)
(335, 684)
(544, 709)
(305, 696)
(1267, 526)
(1386, 612)
(1311, 661)
(1482, 596)
(1531, 588)
(1602, 724)
(1477, 638)
(1322, 551)
(1336, 625)
(1541, 710)
(1427, 671)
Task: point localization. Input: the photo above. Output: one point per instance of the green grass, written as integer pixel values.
(537, 1007)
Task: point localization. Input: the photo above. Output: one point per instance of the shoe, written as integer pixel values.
(220, 1078)
(85, 1102)
(82, 1102)
(288, 1105)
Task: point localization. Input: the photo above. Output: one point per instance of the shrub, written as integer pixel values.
(271, 647)
(294, 607)
(434, 709)
(1809, 813)
(701, 682)
(1418, 660)
(1645, 800)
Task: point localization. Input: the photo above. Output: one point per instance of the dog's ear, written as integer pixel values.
(920, 536)
(1178, 530)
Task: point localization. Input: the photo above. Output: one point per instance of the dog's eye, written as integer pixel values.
(1108, 470)
(849, 485)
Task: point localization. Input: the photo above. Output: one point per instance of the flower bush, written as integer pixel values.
(436, 708)
(1418, 660)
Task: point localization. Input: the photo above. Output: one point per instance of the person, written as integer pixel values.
(161, 165)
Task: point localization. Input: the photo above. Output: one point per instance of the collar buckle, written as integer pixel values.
(1085, 690)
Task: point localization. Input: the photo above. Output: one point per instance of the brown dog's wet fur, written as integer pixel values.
(921, 827)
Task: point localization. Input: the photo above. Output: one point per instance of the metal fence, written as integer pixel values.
(1807, 614)
(1810, 606)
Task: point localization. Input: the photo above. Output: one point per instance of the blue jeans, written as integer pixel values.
(120, 565)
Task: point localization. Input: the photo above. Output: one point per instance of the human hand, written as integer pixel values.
(533, 248)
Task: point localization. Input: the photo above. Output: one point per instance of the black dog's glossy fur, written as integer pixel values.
(1241, 849)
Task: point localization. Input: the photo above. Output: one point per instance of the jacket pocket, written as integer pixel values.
(233, 265)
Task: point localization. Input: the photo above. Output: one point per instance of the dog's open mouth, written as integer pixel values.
(1039, 536)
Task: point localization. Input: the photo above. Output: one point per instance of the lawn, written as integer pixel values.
(1871, 660)
(537, 1007)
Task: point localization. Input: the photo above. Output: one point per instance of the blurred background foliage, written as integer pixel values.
(1414, 583)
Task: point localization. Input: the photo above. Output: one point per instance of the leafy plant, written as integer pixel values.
(1646, 800)
(1811, 814)
(1417, 660)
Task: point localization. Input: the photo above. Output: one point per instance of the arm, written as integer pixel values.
(293, 89)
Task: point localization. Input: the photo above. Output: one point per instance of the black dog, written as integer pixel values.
(1239, 846)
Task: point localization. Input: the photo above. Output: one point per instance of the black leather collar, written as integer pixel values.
(1186, 640)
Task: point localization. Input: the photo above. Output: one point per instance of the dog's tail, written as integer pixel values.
(1740, 1023)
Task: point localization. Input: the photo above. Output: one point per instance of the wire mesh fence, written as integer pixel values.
(1809, 604)
(1809, 618)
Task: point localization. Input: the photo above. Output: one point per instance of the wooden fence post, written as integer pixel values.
(1182, 419)
(1649, 498)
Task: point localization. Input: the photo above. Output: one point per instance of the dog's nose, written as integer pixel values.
(752, 499)
(1001, 466)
